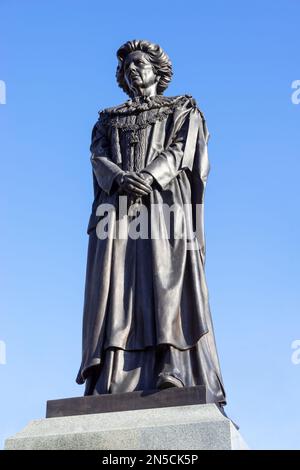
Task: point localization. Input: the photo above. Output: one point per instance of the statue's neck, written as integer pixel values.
(146, 92)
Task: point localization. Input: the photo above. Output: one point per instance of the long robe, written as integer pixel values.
(146, 309)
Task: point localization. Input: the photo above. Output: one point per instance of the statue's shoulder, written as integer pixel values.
(114, 109)
(107, 113)
(187, 102)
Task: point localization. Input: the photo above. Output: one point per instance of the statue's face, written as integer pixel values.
(138, 71)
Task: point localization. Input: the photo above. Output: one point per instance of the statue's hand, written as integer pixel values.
(147, 177)
(133, 183)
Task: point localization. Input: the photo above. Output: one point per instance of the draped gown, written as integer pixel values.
(146, 309)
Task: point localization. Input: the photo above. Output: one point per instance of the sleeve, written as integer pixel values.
(198, 180)
(105, 170)
(201, 166)
(179, 153)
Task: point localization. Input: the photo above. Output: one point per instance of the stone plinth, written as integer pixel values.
(191, 427)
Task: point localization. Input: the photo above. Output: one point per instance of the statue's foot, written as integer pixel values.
(168, 381)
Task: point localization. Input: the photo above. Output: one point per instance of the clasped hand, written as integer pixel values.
(138, 184)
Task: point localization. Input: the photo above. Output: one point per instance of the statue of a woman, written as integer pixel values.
(147, 323)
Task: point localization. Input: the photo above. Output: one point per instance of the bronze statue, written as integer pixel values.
(147, 323)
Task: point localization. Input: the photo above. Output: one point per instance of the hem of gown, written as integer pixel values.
(116, 374)
(84, 371)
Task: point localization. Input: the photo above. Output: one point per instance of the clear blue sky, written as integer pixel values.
(238, 59)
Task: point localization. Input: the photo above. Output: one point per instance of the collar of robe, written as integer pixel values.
(141, 103)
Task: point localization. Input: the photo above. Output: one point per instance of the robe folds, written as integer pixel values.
(146, 308)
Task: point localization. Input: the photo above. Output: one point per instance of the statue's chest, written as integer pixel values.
(131, 135)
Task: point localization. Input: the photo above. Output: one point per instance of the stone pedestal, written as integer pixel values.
(190, 427)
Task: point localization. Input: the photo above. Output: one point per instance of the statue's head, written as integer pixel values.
(141, 65)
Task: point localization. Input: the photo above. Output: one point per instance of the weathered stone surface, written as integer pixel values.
(184, 427)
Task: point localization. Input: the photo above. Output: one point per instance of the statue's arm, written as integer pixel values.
(168, 163)
(105, 170)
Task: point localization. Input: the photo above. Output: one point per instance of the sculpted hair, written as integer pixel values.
(158, 58)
